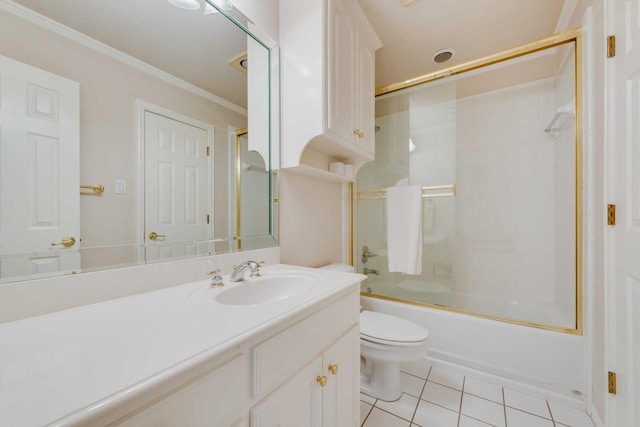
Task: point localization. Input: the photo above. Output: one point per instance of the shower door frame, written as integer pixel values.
(570, 36)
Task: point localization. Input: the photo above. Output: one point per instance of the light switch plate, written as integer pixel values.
(121, 186)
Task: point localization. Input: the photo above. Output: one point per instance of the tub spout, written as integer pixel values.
(371, 271)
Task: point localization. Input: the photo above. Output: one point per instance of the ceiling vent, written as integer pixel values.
(443, 55)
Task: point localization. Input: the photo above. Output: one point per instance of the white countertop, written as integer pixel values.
(61, 367)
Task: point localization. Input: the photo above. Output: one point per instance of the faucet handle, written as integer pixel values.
(216, 279)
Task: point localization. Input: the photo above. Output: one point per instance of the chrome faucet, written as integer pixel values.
(238, 271)
(371, 271)
(366, 254)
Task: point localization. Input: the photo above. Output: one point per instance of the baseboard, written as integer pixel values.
(595, 417)
(505, 378)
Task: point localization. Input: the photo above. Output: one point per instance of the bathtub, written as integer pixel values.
(441, 295)
(534, 358)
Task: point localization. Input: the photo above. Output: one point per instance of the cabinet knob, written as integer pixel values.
(333, 368)
(356, 132)
(361, 134)
(322, 380)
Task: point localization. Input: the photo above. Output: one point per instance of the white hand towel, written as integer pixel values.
(404, 229)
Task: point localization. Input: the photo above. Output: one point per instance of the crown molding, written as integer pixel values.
(76, 36)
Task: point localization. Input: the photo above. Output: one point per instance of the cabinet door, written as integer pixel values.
(341, 395)
(341, 76)
(216, 399)
(365, 108)
(298, 403)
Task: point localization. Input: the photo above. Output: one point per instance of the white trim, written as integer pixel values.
(231, 175)
(568, 9)
(588, 202)
(595, 417)
(60, 29)
(609, 195)
(140, 108)
(593, 58)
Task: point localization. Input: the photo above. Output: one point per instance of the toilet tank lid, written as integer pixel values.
(390, 328)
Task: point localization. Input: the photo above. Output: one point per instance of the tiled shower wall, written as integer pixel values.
(512, 219)
(509, 232)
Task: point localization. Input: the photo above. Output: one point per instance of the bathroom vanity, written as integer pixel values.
(281, 348)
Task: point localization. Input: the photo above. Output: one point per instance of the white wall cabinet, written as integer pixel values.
(350, 78)
(327, 64)
(304, 372)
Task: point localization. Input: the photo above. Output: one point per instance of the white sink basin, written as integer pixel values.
(267, 289)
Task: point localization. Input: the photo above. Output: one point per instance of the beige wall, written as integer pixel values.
(108, 130)
(311, 220)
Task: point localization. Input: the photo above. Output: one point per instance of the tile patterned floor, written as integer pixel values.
(438, 397)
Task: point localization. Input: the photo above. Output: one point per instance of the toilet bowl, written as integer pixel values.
(386, 342)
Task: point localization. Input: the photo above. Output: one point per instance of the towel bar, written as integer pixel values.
(364, 194)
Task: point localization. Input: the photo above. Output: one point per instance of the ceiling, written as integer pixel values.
(196, 47)
(187, 44)
(474, 28)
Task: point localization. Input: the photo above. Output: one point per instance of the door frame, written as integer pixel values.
(141, 107)
(613, 189)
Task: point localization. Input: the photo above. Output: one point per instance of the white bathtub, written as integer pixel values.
(547, 360)
(438, 294)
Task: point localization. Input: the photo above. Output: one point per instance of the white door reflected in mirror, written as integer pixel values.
(177, 186)
(39, 171)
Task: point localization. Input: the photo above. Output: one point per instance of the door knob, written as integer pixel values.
(333, 368)
(322, 380)
(67, 242)
(153, 235)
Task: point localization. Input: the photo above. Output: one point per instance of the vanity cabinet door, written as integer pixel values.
(203, 402)
(326, 392)
(341, 395)
(298, 403)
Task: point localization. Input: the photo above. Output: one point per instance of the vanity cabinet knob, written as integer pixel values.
(322, 380)
(333, 368)
(356, 132)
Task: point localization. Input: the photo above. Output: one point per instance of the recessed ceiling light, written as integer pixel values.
(443, 55)
(186, 4)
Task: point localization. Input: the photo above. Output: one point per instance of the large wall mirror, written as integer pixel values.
(119, 124)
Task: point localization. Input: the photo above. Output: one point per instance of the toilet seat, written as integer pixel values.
(384, 329)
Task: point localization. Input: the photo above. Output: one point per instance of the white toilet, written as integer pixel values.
(385, 342)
